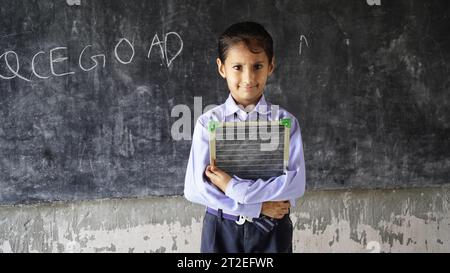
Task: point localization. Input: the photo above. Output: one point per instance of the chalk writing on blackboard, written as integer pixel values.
(164, 54)
(118, 56)
(54, 60)
(14, 71)
(302, 40)
(124, 53)
(93, 58)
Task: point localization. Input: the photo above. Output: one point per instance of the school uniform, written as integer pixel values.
(232, 221)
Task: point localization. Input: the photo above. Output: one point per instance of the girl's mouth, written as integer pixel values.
(248, 87)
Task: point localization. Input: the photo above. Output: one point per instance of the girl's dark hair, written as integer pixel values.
(254, 35)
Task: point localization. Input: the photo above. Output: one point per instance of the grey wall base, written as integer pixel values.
(410, 220)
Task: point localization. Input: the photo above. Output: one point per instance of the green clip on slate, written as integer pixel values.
(286, 122)
(212, 125)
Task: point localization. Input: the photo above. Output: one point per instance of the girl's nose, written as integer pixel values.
(248, 76)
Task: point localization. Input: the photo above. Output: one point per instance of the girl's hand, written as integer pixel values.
(217, 177)
(275, 209)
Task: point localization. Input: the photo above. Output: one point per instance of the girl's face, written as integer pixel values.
(246, 73)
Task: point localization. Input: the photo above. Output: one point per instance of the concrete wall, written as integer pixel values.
(412, 220)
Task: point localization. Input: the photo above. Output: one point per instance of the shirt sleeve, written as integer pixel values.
(288, 186)
(198, 189)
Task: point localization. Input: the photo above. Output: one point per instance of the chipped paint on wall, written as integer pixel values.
(410, 220)
(339, 237)
(120, 225)
(163, 237)
(413, 220)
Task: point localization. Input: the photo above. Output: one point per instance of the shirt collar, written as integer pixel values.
(231, 107)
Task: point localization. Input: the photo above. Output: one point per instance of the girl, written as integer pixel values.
(244, 215)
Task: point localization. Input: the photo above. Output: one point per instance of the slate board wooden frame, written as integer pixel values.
(284, 126)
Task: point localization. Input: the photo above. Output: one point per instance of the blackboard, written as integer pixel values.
(368, 81)
(250, 149)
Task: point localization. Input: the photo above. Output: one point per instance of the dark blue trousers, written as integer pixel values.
(226, 236)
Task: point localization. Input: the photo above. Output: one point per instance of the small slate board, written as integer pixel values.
(250, 150)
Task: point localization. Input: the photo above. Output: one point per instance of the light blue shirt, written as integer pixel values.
(243, 196)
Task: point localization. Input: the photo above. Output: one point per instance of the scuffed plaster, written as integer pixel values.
(409, 220)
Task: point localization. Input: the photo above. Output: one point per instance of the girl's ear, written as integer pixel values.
(221, 68)
(272, 66)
